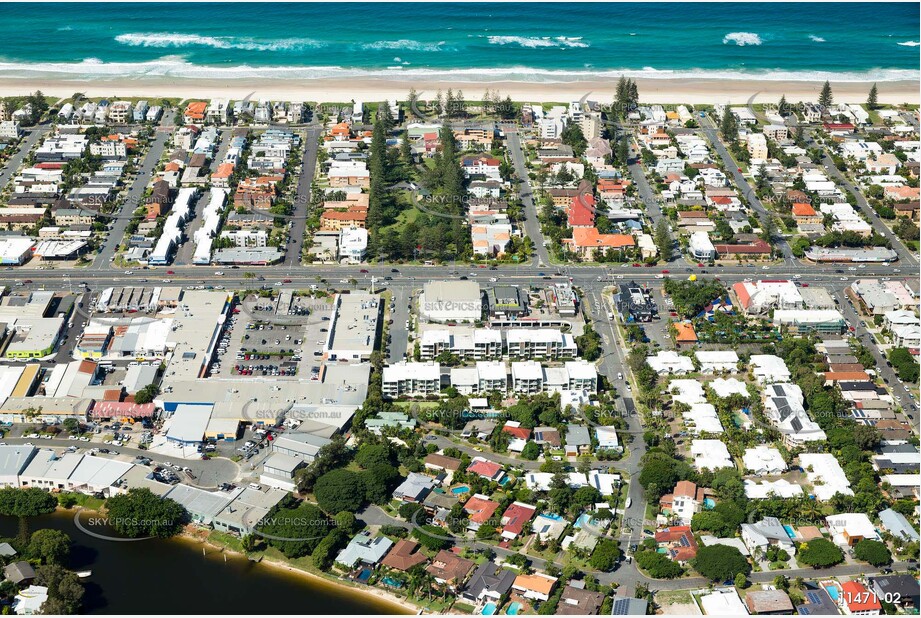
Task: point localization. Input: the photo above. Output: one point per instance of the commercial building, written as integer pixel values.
(353, 326)
(451, 301)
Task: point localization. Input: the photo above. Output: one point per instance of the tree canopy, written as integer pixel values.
(721, 562)
(140, 512)
(820, 553)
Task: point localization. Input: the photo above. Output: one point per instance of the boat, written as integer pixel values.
(83, 574)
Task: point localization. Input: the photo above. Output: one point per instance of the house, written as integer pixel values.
(514, 519)
(488, 583)
(414, 488)
(856, 600)
(627, 606)
(578, 440)
(449, 568)
(818, 602)
(769, 532)
(435, 461)
(586, 241)
(364, 549)
(549, 528)
(404, 556)
(771, 602)
(579, 602)
(763, 460)
(684, 501)
(19, 573)
(901, 590)
(29, 601)
(897, 525)
(851, 528)
(804, 213)
(537, 587)
(195, 112)
(679, 543)
(480, 510)
(486, 469)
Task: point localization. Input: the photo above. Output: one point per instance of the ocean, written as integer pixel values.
(463, 42)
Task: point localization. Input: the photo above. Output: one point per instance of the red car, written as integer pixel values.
(286, 281)
(665, 272)
(699, 265)
(636, 265)
(169, 272)
(363, 270)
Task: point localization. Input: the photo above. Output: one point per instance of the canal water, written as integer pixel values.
(173, 577)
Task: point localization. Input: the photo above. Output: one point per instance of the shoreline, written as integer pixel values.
(670, 90)
(379, 595)
(185, 536)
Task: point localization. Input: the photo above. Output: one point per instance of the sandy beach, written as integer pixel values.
(394, 603)
(695, 91)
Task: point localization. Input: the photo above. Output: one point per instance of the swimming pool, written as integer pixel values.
(584, 520)
(832, 592)
(709, 503)
(513, 608)
(489, 609)
(461, 489)
(790, 531)
(393, 583)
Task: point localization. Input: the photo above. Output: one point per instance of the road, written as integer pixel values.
(25, 147)
(135, 194)
(302, 197)
(531, 220)
(648, 196)
(626, 573)
(831, 170)
(208, 474)
(730, 164)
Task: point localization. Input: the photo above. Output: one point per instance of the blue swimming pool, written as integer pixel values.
(489, 609)
(393, 583)
(505, 480)
(461, 489)
(584, 520)
(709, 503)
(364, 576)
(832, 592)
(513, 608)
(790, 531)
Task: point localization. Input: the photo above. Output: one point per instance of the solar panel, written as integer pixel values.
(813, 597)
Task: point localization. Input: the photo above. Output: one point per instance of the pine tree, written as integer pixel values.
(620, 97)
(872, 98)
(825, 97)
(782, 106)
(728, 126)
(663, 239)
(633, 94)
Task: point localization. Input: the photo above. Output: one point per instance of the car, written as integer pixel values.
(27, 281)
(700, 265)
(843, 278)
(739, 169)
(167, 281)
(665, 272)
(464, 278)
(286, 281)
(363, 271)
(169, 272)
(219, 273)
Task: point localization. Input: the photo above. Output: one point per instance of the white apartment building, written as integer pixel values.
(411, 379)
(475, 344)
(541, 343)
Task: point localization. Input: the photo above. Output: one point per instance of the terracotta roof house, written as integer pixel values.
(195, 112)
(537, 586)
(480, 509)
(858, 600)
(449, 568)
(679, 543)
(581, 212)
(685, 333)
(585, 240)
(489, 470)
(515, 517)
(404, 556)
(514, 429)
(758, 247)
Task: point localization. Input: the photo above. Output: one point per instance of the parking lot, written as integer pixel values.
(276, 336)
